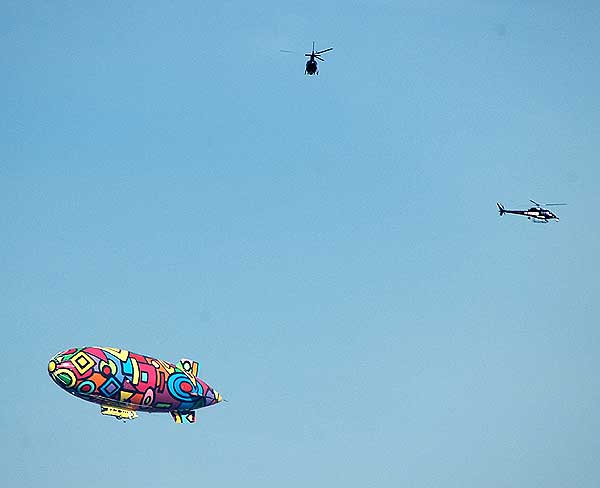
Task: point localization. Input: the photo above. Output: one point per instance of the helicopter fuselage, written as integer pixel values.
(311, 67)
(535, 213)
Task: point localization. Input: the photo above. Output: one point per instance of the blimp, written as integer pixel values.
(124, 383)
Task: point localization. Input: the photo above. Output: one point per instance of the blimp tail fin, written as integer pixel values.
(184, 417)
(189, 366)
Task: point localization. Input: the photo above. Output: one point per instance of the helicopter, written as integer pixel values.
(537, 213)
(311, 64)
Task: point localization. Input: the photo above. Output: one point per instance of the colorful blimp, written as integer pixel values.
(124, 383)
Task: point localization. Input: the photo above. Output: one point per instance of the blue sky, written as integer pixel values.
(327, 247)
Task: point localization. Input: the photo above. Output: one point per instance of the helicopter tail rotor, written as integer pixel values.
(500, 208)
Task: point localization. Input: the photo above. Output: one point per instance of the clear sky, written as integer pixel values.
(327, 247)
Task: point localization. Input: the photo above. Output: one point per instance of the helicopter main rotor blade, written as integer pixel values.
(319, 58)
(308, 55)
(547, 204)
(324, 51)
(286, 51)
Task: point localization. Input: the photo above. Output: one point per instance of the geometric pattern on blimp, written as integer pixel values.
(86, 387)
(189, 367)
(147, 377)
(82, 362)
(121, 354)
(66, 377)
(110, 387)
(181, 387)
(132, 381)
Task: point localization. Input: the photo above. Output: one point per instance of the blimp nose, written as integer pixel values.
(53, 366)
(61, 372)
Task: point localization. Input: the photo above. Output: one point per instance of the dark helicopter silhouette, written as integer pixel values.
(537, 213)
(311, 64)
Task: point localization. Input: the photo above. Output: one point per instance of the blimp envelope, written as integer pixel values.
(124, 382)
